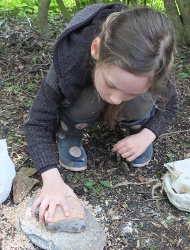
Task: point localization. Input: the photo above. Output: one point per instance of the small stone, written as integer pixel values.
(22, 185)
(92, 238)
(125, 167)
(79, 190)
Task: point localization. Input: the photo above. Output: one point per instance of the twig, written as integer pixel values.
(126, 183)
(29, 22)
(143, 219)
(175, 132)
(148, 220)
(159, 199)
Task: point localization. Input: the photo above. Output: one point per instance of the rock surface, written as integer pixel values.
(74, 223)
(93, 238)
(22, 185)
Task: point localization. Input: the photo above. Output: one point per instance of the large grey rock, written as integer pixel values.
(93, 238)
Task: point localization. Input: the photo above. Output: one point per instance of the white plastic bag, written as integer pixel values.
(7, 171)
(177, 184)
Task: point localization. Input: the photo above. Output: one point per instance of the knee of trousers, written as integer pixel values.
(69, 125)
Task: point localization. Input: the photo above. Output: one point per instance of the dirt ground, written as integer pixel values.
(130, 216)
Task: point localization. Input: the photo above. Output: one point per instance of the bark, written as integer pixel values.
(64, 10)
(42, 19)
(98, 1)
(184, 7)
(134, 3)
(78, 5)
(173, 14)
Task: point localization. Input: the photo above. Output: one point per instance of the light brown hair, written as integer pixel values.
(140, 41)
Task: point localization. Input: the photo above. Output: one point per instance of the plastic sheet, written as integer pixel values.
(7, 171)
(177, 184)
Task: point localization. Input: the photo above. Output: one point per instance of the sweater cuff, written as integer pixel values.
(44, 169)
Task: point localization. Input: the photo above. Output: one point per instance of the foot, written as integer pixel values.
(71, 154)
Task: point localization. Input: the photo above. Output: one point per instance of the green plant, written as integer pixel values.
(19, 140)
(96, 186)
(152, 248)
(183, 57)
(183, 75)
(170, 156)
(97, 190)
(186, 144)
(105, 183)
(10, 137)
(78, 177)
(136, 225)
(89, 184)
(155, 176)
(26, 8)
(175, 138)
(31, 86)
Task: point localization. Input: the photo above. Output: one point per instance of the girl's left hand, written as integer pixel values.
(134, 145)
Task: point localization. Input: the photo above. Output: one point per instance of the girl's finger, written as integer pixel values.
(124, 150)
(119, 145)
(36, 203)
(130, 158)
(43, 207)
(126, 155)
(51, 212)
(65, 207)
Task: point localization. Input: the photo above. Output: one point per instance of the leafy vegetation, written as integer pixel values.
(30, 7)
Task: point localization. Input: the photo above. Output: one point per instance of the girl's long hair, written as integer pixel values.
(140, 41)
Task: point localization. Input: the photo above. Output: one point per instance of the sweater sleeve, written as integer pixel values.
(39, 125)
(164, 115)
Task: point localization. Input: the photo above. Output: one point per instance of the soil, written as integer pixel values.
(131, 217)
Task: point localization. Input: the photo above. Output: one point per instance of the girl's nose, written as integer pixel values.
(115, 99)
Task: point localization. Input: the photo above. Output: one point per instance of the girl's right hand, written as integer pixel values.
(53, 193)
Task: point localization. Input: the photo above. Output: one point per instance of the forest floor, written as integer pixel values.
(130, 216)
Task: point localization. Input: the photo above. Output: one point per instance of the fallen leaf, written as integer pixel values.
(21, 66)
(165, 225)
(156, 224)
(17, 28)
(158, 207)
(178, 242)
(141, 178)
(20, 98)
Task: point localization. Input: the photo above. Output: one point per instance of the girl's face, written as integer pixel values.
(116, 85)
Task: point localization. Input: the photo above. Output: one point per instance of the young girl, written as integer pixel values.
(109, 61)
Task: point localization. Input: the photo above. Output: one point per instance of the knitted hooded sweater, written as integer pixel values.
(67, 77)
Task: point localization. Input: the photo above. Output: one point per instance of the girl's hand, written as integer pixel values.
(134, 145)
(53, 192)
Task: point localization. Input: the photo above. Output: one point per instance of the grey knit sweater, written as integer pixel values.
(65, 80)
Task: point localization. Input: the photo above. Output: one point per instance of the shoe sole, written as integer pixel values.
(72, 168)
(141, 165)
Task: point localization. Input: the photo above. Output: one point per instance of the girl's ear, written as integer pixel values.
(95, 48)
